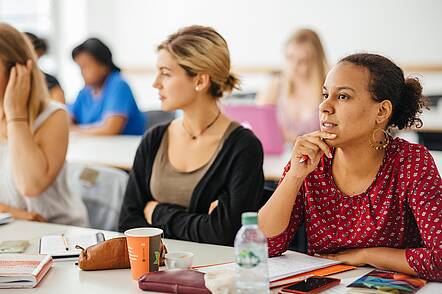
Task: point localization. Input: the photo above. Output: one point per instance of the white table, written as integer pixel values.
(437, 155)
(114, 151)
(119, 152)
(274, 164)
(67, 278)
(432, 120)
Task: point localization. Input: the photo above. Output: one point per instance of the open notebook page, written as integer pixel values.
(289, 264)
(55, 245)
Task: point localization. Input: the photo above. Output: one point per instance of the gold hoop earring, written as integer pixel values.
(379, 145)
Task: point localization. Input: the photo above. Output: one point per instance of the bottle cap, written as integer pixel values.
(249, 218)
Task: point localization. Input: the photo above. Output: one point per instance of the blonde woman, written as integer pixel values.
(194, 177)
(297, 92)
(34, 137)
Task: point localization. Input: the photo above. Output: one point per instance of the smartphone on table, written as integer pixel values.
(311, 285)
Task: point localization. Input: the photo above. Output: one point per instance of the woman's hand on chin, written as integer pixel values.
(307, 152)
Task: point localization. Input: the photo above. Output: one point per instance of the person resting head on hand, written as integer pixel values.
(33, 140)
(364, 197)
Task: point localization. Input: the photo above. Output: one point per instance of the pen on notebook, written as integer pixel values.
(66, 246)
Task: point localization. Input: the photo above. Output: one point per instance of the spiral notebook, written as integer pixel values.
(63, 246)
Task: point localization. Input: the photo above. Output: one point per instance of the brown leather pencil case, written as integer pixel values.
(109, 254)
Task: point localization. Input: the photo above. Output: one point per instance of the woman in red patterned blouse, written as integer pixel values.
(365, 198)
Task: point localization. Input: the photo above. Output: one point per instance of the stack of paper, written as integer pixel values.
(330, 270)
(288, 265)
(23, 270)
(293, 263)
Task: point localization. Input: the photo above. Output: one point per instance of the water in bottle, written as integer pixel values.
(251, 257)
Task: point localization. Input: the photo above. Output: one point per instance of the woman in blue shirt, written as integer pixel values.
(106, 105)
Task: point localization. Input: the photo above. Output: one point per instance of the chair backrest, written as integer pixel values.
(435, 100)
(156, 117)
(299, 242)
(102, 190)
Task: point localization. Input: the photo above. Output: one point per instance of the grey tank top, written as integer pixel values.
(169, 185)
(57, 204)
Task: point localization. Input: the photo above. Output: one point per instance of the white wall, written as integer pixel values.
(408, 31)
(71, 26)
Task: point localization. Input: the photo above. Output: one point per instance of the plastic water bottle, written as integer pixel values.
(251, 257)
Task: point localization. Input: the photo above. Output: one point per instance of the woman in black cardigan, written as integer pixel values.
(194, 176)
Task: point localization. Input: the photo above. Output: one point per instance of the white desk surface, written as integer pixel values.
(432, 120)
(119, 152)
(274, 164)
(65, 277)
(114, 151)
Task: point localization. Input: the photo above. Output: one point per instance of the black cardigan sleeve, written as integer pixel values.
(136, 196)
(243, 185)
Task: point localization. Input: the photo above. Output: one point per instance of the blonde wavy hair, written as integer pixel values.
(200, 49)
(16, 48)
(319, 61)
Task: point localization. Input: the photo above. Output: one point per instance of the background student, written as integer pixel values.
(33, 140)
(194, 177)
(365, 198)
(106, 105)
(41, 47)
(297, 92)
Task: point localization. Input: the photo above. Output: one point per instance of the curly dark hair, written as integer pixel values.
(387, 82)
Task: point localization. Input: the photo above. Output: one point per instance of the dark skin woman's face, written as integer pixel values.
(348, 109)
(93, 72)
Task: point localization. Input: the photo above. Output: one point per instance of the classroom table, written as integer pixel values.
(119, 152)
(432, 121)
(274, 164)
(114, 151)
(65, 277)
(430, 134)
